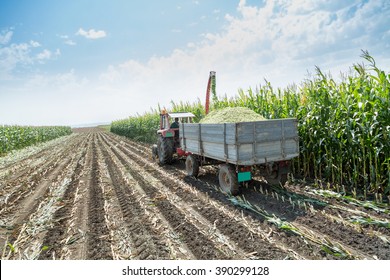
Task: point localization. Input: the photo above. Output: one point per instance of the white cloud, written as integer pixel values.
(13, 55)
(60, 81)
(70, 42)
(279, 41)
(91, 34)
(35, 44)
(21, 54)
(67, 40)
(5, 37)
(45, 54)
(47, 99)
(191, 45)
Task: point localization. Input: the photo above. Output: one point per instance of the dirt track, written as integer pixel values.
(95, 195)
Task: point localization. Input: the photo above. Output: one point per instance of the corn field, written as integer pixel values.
(140, 128)
(17, 137)
(344, 126)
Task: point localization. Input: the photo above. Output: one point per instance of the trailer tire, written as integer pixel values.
(283, 178)
(165, 150)
(192, 166)
(228, 179)
(283, 174)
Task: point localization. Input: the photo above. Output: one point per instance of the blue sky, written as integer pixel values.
(78, 62)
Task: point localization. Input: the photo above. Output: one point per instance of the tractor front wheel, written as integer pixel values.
(228, 179)
(192, 166)
(165, 150)
(154, 152)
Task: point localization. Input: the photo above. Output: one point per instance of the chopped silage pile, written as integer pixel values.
(232, 115)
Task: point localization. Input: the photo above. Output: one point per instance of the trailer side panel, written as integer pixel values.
(247, 143)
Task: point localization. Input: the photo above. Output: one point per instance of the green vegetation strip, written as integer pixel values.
(139, 128)
(369, 221)
(17, 137)
(378, 207)
(298, 197)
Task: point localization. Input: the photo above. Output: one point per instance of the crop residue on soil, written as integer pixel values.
(104, 197)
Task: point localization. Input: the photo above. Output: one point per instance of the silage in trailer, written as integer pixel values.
(232, 115)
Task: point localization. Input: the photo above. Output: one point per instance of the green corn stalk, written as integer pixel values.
(17, 137)
(369, 221)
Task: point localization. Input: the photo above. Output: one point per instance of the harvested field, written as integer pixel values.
(95, 195)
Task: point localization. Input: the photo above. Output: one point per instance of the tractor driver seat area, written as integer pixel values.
(176, 137)
(175, 127)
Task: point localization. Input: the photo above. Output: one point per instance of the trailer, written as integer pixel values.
(240, 149)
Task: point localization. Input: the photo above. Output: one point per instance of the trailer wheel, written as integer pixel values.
(192, 166)
(165, 150)
(228, 179)
(283, 179)
(283, 173)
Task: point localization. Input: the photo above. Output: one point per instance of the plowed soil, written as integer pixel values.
(95, 195)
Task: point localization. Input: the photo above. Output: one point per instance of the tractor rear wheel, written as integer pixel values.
(165, 150)
(228, 179)
(192, 166)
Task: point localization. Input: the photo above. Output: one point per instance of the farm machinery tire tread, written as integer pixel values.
(192, 166)
(165, 150)
(228, 179)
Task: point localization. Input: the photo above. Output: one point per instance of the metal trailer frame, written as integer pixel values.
(243, 145)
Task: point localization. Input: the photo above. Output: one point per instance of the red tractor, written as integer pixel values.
(168, 142)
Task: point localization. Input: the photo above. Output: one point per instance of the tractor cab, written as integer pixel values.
(169, 123)
(168, 142)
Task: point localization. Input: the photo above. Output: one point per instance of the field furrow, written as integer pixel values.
(96, 195)
(32, 214)
(332, 235)
(55, 238)
(98, 242)
(192, 233)
(253, 245)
